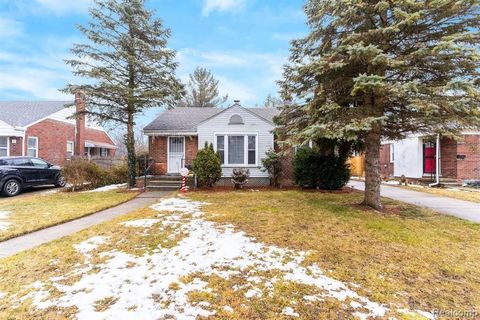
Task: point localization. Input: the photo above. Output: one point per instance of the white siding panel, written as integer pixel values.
(62, 115)
(408, 157)
(251, 124)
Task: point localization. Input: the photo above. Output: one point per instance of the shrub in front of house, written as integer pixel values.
(207, 166)
(82, 174)
(240, 177)
(272, 163)
(314, 170)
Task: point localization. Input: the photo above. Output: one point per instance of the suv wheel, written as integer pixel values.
(11, 188)
(61, 182)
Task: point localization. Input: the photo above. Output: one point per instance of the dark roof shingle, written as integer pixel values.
(188, 118)
(23, 113)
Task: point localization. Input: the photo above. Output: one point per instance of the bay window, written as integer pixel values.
(237, 149)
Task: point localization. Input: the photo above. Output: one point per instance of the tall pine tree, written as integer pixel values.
(127, 65)
(376, 69)
(202, 90)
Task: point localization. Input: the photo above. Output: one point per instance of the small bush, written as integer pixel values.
(82, 174)
(314, 170)
(240, 177)
(207, 166)
(272, 164)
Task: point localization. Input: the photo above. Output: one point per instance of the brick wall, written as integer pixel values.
(191, 149)
(469, 168)
(157, 148)
(448, 158)
(52, 139)
(386, 166)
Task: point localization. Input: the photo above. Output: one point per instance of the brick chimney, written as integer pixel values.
(80, 124)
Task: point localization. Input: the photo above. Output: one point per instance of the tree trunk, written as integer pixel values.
(372, 168)
(131, 157)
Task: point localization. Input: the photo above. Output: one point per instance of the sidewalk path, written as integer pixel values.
(462, 209)
(30, 240)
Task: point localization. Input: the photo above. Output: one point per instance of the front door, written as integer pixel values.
(176, 149)
(429, 161)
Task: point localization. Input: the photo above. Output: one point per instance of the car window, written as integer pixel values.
(37, 163)
(20, 162)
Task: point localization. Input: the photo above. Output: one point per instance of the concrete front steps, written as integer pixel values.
(164, 183)
(446, 182)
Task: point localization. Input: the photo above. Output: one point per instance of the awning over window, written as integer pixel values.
(94, 144)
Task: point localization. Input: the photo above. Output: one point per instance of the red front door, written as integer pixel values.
(429, 163)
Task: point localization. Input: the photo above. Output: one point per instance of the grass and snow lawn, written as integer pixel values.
(26, 214)
(251, 255)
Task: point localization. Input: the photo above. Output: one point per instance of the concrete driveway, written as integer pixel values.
(458, 208)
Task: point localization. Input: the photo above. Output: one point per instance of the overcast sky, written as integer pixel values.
(243, 42)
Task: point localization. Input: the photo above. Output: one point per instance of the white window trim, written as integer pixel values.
(73, 147)
(392, 153)
(8, 145)
(36, 145)
(245, 149)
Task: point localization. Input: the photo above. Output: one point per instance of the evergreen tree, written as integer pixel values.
(376, 69)
(128, 67)
(202, 90)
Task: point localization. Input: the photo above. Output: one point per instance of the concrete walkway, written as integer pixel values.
(461, 209)
(28, 241)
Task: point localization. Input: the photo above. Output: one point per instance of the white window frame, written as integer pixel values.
(36, 145)
(8, 145)
(73, 148)
(245, 149)
(392, 153)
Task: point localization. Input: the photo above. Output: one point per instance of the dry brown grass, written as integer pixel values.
(37, 212)
(407, 255)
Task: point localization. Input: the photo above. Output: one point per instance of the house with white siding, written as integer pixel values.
(241, 136)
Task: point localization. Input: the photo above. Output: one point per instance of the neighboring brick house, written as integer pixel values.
(43, 129)
(241, 135)
(415, 157)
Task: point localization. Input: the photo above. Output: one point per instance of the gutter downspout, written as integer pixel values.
(437, 164)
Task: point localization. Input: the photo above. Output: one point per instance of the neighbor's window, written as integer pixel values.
(392, 153)
(3, 146)
(32, 146)
(221, 148)
(70, 149)
(237, 149)
(103, 152)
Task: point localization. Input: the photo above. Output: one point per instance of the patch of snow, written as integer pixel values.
(287, 311)
(2, 294)
(393, 182)
(46, 193)
(208, 249)
(4, 225)
(108, 188)
(255, 292)
(141, 223)
(228, 309)
(90, 244)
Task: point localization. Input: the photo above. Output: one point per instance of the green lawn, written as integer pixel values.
(27, 214)
(404, 258)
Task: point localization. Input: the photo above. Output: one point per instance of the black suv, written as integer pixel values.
(17, 173)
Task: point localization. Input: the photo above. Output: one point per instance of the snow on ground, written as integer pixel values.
(141, 223)
(108, 188)
(4, 223)
(140, 287)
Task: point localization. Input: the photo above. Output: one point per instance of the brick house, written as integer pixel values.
(241, 135)
(416, 157)
(43, 129)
